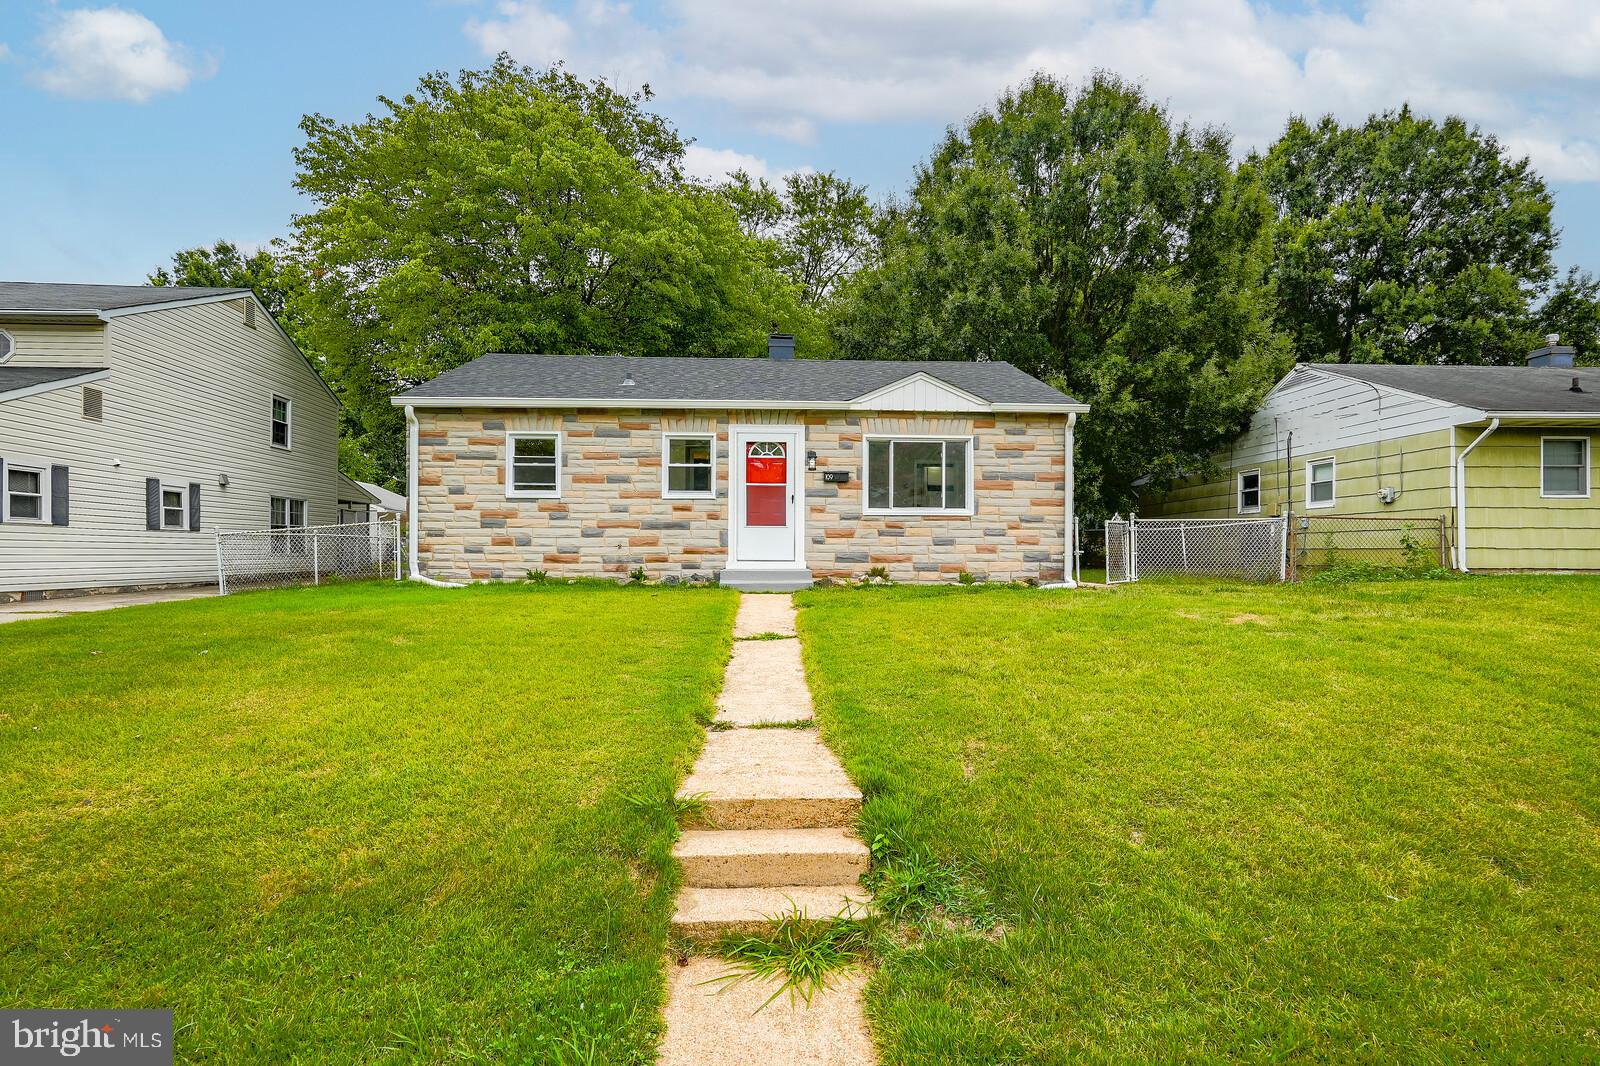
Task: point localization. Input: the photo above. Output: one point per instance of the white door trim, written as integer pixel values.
(796, 435)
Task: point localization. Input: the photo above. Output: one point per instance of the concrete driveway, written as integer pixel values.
(60, 608)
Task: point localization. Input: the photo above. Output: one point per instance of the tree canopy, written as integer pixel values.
(1403, 240)
(1082, 235)
(516, 210)
(821, 223)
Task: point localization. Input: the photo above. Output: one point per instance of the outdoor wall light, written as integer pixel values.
(811, 460)
(222, 479)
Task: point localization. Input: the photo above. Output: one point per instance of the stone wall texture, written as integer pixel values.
(612, 518)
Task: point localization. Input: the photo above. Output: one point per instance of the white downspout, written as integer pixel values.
(1461, 493)
(411, 506)
(1066, 581)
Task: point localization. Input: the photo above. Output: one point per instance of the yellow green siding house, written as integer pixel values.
(1505, 454)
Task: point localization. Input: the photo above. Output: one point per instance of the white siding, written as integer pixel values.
(918, 392)
(1327, 413)
(188, 400)
(57, 343)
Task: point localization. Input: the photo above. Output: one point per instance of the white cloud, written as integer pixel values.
(1527, 72)
(714, 164)
(113, 53)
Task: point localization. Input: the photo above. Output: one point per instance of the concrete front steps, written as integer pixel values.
(776, 829)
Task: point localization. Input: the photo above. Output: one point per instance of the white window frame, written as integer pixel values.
(866, 474)
(514, 493)
(31, 466)
(11, 348)
(1588, 486)
(288, 422)
(1238, 491)
(669, 493)
(1331, 501)
(183, 505)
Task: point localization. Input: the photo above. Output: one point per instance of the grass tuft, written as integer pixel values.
(801, 953)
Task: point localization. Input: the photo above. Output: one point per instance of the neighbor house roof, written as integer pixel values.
(668, 381)
(46, 297)
(389, 501)
(19, 381)
(1494, 390)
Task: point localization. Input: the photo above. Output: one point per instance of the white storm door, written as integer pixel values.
(766, 474)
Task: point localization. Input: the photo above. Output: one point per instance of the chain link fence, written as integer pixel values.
(1323, 542)
(308, 555)
(1249, 548)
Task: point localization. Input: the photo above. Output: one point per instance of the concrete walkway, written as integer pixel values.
(780, 814)
(62, 606)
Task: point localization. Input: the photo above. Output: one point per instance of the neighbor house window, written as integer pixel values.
(287, 514)
(280, 422)
(919, 474)
(27, 494)
(689, 465)
(8, 346)
(1319, 483)
(174, 508)
(533, 464)
(1250, 492)
(1565, 467)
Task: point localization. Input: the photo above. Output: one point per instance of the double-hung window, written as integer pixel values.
(533, 464)
(174, 507)
(281, 410)
(27, 494)
(1564, 467)
(919, 475)
(1319, 483)
(287, 513)
(689, 465)
(1250, 492)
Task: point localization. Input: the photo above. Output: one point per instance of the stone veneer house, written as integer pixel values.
(758, 473)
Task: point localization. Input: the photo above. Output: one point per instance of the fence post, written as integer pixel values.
(1283, 550)
(1133, 547)
(316, 561)
(222, 575)
(399, 549)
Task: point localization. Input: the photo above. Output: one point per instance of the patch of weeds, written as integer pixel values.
(768, 636)
(910, 885)
(877, 575)
(967, 577)
(538, 577)
(798, 723)
(717, 725)
(1354, 572)
(637, 575)
(666, 806)
(801, 953)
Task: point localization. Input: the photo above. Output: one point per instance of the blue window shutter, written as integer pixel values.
(194, 507)
(152, 503)
(58, 495)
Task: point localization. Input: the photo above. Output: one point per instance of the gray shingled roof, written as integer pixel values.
(13, 378)
(49, 296)
(674, 379)
(1492, 389)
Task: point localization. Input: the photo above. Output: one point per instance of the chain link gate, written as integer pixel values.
(1250, 548)
(308, 555)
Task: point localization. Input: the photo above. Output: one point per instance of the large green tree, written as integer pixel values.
(515, 210)
(1082, 235)
(225, 265)
(1404, 240)
(822, 225)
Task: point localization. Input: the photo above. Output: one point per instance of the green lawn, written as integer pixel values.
(354, 824)
(1325, 823)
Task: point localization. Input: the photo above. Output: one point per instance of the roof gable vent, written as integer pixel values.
(93, 404)
(250, 313)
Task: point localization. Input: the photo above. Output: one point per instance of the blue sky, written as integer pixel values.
(131, 131)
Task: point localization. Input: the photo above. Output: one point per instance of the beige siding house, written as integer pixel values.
(1506, 455)
(135, 421)
(758, 473)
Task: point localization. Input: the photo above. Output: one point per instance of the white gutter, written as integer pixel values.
(648, 403)
(411, 508)
(1461, 494)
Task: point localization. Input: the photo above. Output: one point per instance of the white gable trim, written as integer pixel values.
(919, 392)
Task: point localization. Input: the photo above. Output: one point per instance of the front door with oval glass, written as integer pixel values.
(766, 478)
